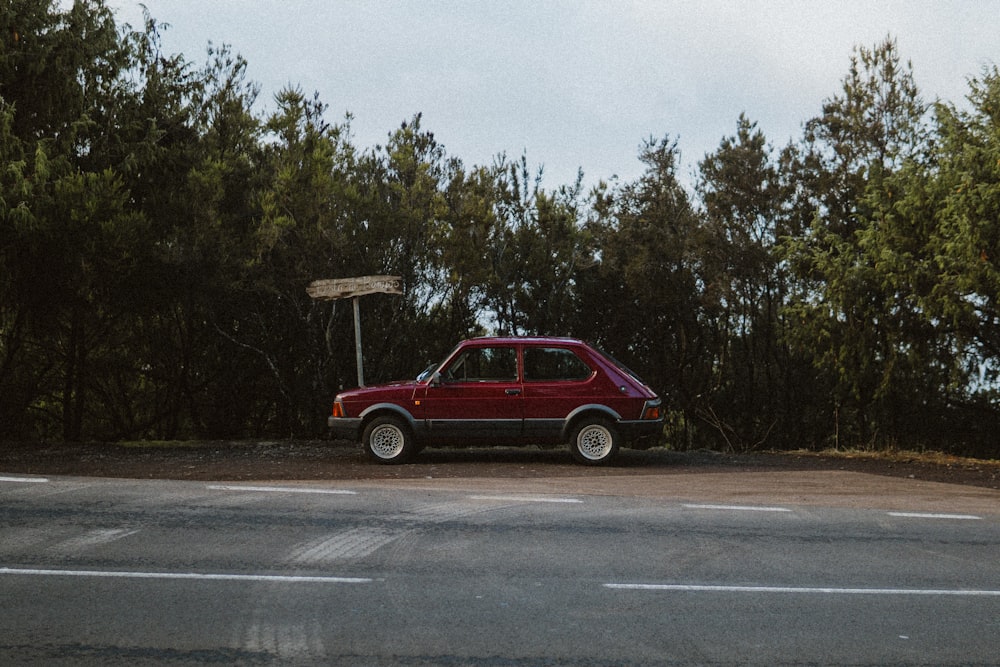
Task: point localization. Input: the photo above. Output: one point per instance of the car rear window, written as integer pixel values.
(553, 364)
(620, 366)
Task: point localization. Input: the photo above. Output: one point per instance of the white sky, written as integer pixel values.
(576, 83)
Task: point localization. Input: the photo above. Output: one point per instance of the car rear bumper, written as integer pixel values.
(640, 429)
(344, 428)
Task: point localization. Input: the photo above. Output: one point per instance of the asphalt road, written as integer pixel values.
(471, 572)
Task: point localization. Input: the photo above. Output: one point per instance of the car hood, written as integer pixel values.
(375, 390)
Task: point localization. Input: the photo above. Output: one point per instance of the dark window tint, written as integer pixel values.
(483, 364)
(553, 364)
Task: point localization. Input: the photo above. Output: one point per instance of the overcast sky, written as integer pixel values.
(576, 84)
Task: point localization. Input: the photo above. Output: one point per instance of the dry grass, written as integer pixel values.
(904, 456)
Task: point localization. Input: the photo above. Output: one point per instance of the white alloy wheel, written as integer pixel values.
(595, 442)
(387, 440)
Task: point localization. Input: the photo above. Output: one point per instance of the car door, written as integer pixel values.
(556, 382)
(476, 398)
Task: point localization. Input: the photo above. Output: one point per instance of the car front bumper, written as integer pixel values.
(345, 428)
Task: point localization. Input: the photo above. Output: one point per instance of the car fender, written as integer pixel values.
(590, 408)
(381, 408)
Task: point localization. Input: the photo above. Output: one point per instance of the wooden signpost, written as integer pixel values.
(353, 288)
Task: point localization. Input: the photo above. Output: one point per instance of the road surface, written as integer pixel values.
(569, 571)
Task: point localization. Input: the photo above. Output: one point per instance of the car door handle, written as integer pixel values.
(512, 392)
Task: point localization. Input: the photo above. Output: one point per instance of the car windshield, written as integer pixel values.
(427, 372)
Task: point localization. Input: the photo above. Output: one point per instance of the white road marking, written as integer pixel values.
(738, 508)
(96, 538)
(527, 499)
(108, 574)
(354, 543)
(929, 515)
(281, 489)
(25, 480)
(804, 589)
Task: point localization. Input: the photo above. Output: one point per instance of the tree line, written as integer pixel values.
(157, 235)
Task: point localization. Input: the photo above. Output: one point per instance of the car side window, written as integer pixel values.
(483, 364)
(553, 364)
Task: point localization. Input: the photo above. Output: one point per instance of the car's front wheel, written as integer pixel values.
(388, 440)
(594, 441)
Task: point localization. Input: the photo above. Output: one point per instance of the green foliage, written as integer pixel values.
(157, 234)
(758, 384)
(643, 298)
(850, 307)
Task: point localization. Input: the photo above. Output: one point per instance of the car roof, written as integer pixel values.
(527, 340)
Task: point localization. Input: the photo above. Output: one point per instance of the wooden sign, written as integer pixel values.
(344, 288)
(352, 288)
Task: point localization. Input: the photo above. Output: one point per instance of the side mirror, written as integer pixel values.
(424, 374)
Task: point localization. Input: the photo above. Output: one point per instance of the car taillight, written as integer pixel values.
(651, 412)
(338, 410)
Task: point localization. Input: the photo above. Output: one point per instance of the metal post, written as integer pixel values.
(357, 341)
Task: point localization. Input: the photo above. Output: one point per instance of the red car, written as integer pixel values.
(505, 391)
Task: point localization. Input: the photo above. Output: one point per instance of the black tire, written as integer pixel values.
(388, 440)
(594, 441)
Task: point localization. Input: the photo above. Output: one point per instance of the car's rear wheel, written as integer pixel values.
(594, 441)
(388, 440)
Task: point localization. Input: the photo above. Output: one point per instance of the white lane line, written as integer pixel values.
(527, 499)
(930, 515)
(281, 489)
(804, 589)
(95, 538)
(106, 574)
(24, 480)
(738, 508)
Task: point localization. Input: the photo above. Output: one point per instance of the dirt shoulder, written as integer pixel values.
(325, 460)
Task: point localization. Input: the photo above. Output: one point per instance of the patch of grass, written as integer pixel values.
(174, 444)
(201, 444)
(903, 456)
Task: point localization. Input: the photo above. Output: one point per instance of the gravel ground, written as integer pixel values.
(321, 460)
